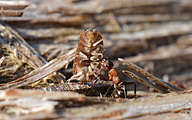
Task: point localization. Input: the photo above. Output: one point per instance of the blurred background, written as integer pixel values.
(154, 34)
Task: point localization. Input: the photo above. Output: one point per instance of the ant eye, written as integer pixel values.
(106, 66)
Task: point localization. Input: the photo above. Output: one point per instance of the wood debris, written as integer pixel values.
(173, 102)
(9, 8)
(18, 104)
(24, 53)
(39, 39)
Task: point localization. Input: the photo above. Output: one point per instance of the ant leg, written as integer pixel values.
(72, 78)
(108, 89)
(94, 83)
(125, 91)
(95, 74)
(134, 87)
(98, 78)
(112, 94)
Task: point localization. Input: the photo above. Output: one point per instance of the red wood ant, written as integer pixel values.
(120, 89)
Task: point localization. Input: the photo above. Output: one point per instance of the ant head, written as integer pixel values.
(107, 64)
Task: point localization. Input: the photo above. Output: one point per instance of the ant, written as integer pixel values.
(120, 87)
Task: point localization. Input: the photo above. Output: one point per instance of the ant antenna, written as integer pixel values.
(105, 54)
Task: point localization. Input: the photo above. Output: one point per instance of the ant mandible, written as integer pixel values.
(113, 75)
